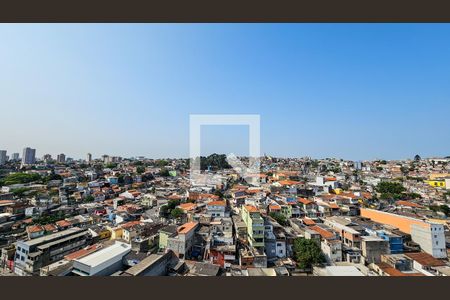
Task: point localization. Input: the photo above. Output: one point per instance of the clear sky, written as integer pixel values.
(353, 91)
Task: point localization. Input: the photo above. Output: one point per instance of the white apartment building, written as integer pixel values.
(431, 239)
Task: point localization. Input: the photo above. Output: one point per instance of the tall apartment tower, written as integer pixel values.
(3, 157)
(61, 158)
(15, 156)
(88, 157)
(28, 156)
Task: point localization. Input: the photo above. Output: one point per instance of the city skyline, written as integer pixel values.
(351, 91)
(89, 156)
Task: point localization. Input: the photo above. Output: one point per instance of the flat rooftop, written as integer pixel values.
(104, 254)
(343, 271)
(54, 236)
(145, 264)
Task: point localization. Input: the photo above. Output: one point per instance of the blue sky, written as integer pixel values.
(353, 91)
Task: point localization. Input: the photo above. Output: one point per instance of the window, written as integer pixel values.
(22, 258)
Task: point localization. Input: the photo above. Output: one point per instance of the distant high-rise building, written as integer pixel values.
(47, 158)
(15, 156)
(61, 158)
(3, 158)
(89, 158)
(28, 156)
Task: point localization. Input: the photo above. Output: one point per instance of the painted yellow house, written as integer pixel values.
(104, 233)
(116, 232)
(436, 183)
(337, 191)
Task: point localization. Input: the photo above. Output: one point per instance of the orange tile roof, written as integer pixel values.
(174, 197)
(408, 203)
(130, 224)
(425, 259)
(304, 201)
(185, 228)
(274, 207)
(50, 227)
(6, 202)
(308, 221)
(366, 195)
(394, 272)
(240, 187)
(217, 203)
(251, 208)
(35, 228)
(82, 252)
(28, 221)
(325, 234)
(288, 182)
(63, 223)
(187, 206)
(328, 196)
(348, 195)
(253, 191)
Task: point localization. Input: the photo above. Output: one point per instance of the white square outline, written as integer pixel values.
(195, 123)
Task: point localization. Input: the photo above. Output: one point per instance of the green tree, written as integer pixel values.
(17, 178)
(404, 170)
(140, 169)
(218, 193)
(441, 208)
(307, 253)
(164, 211)
(19, 192)
(412, 196)
(161, 163)
(176, 213)
(390, 187)
(163, 172)
(89, 198)
(111, 165)
(173, 203)
(51, 177)
(280, 218)
(214, 161)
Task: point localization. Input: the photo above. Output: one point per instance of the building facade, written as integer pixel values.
(255, 225)
(39, 252)
(2, 157)
(28, 156)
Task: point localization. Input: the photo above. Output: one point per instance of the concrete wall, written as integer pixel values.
(372, 250)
